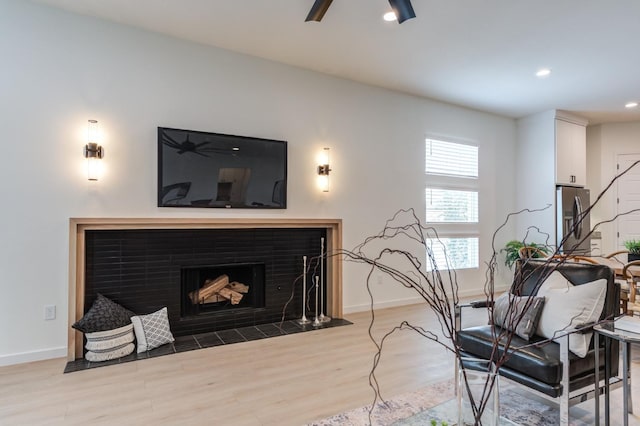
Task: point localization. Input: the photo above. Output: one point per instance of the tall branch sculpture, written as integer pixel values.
(403, 250)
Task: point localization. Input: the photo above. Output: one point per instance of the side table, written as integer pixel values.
(626, 338)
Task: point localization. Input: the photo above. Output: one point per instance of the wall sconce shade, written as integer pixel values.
(323, 171)
(92, 151)
(403, 9)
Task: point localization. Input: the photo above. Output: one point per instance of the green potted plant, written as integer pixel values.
(634, 249)
(513, 247)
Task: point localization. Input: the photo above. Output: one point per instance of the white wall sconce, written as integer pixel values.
(92, 151)
(323, 170)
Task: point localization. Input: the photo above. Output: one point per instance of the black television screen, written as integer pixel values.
(200, 169)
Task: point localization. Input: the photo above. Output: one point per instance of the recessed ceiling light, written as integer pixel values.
(631, 105)
(543, 72)
(235, 148)
(389, 16)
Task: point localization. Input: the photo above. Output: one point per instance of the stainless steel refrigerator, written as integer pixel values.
(571, 221)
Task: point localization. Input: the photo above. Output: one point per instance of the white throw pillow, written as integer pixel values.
(567, 306)
(152, 330)
(109, 344)
(554, 280)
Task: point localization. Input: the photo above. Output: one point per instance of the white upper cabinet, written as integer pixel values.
(571, 153)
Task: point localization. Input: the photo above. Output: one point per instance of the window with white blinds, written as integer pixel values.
(453, 253)
(448, 205)
(451, 159)
(451, 201)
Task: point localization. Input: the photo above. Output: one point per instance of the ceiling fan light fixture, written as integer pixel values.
(389, 16)
(402, 9)
(318, 10)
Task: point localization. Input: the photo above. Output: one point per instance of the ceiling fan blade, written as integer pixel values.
(402, 9)
(318, 10)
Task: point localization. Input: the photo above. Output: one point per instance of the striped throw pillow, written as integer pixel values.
(109, 344)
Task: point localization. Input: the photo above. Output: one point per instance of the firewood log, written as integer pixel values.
(234, 296)
(239, 287)
(210, 288)
(214, 298)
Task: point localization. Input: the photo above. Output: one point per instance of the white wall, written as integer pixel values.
(59, 70)
(536, 175)
(604, 143)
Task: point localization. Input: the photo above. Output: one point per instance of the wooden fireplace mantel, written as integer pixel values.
(78, 226)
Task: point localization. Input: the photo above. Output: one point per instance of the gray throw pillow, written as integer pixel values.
(103, 315)
(152, 330)
(508, 308)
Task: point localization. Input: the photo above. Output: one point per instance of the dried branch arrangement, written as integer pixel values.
(404, 251)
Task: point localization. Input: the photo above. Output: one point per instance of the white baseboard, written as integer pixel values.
(21, 358)
(412, 301)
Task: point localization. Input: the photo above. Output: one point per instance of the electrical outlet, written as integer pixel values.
(379, 279)
(49, 312)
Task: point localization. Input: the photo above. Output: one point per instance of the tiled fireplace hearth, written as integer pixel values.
(146, 264)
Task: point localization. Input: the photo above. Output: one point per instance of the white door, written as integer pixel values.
(628, 199)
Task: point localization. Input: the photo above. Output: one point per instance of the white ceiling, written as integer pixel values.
(481, 54)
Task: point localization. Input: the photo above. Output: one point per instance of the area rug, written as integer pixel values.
(420, 407)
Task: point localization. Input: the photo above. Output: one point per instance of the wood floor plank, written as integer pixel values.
(287, 380)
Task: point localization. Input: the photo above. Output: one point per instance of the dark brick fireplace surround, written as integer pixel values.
(145, 264)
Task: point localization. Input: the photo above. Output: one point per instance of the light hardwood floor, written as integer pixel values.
(289, 380)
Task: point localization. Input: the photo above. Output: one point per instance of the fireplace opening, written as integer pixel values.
(216, 288)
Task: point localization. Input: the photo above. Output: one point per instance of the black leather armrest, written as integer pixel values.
(476, 304)
(482, 304)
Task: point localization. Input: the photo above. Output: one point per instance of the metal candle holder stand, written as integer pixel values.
(304, 319)
(323, 318)
(320, 318)
(316, 320)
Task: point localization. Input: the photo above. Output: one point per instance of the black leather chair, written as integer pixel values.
(549, 368)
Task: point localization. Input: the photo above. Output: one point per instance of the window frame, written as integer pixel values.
(454, 183)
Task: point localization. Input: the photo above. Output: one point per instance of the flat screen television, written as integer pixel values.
(201, 169)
